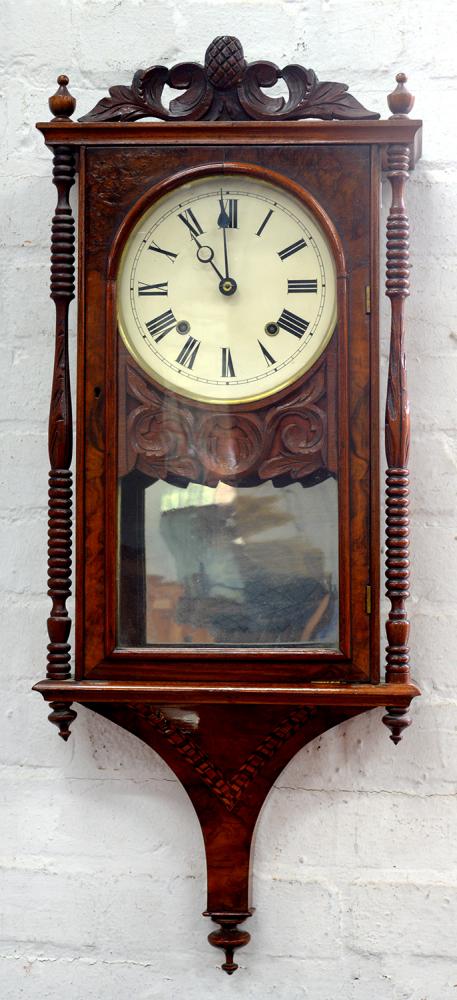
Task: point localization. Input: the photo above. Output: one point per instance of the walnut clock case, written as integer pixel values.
(227, 505)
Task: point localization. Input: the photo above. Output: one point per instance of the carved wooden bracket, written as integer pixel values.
(229, 791)
(233, 791)
(227, 88)
(168, 438)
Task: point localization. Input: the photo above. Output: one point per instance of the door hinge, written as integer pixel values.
(368, 600)
(368, 298)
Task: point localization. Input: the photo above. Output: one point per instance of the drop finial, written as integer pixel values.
(228, 937)
(400, 101)
(62, 716)
(397, 720)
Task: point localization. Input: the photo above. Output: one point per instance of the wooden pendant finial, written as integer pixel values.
(400, 101)
(62, 716)
(229, 937)
(62, 103)
(396, 719)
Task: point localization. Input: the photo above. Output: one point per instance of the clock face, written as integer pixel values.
(227, 289)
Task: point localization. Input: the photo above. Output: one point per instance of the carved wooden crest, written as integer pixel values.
(227, 88)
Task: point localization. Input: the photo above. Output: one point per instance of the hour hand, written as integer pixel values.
(227, 286)
(206, 256)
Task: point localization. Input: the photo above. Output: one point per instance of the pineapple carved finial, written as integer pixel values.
(224, 62)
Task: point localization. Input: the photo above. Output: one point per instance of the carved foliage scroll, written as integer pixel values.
(167, 438)
(226, 88)
(299, 430)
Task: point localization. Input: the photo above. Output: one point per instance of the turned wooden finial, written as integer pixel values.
(400, 101)
(62, 104)
(229, 936)
(397, 719)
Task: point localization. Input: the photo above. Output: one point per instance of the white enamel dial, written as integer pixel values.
(227, 289)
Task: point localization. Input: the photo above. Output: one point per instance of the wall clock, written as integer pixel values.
(227, 529)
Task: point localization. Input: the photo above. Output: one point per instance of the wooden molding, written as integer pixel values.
(378, 133)
(158, 693)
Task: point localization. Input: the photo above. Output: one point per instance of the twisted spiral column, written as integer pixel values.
(397, 432)
(61, 437)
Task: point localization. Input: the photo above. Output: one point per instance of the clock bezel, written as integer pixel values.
(176, 180)
(153, 197)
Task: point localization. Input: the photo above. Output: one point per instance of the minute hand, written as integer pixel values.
(228, 286)
(224, 224)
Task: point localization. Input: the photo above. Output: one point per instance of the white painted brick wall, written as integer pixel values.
(355, 866)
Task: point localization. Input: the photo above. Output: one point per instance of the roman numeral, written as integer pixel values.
(228, 218)
(188, 353)
(292, 323)
(294, 248)
(189, 220)
(268, 357)
(266, 219)
(161, 325)
(167, 253)
(228, 370)
(160, 289)
(303, 285)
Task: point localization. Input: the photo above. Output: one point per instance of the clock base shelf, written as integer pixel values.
(361, 696)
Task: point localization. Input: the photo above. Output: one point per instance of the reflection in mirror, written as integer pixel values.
(225, 565)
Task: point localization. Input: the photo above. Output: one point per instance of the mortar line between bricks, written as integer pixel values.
(323, 874)
(70, 959)
(106, 777)
(357, 793)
